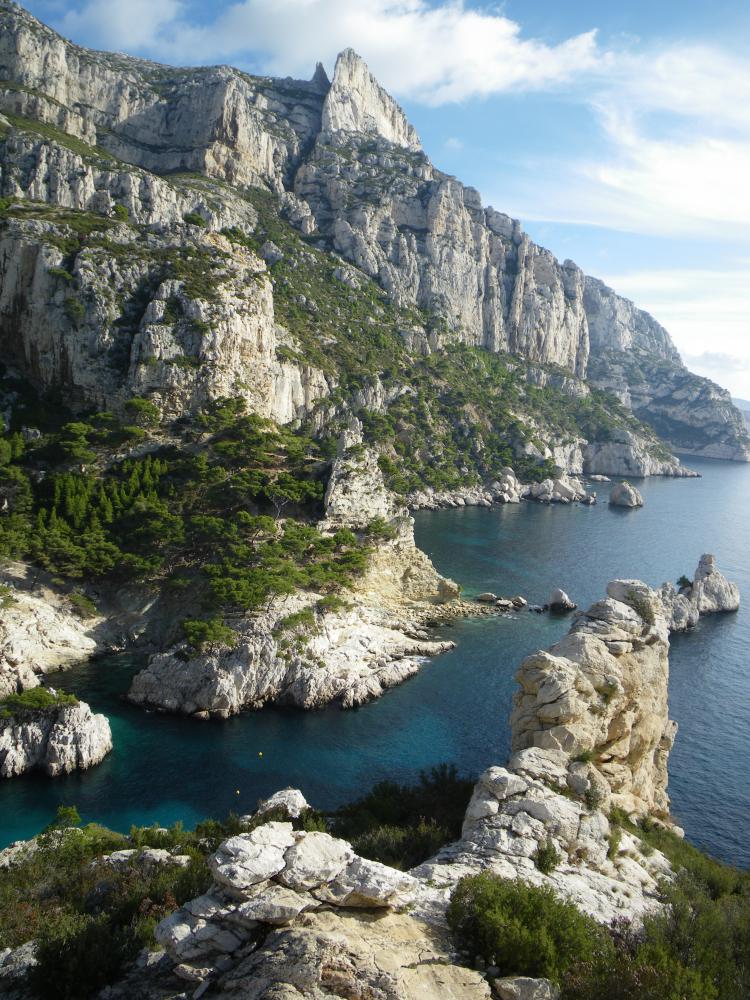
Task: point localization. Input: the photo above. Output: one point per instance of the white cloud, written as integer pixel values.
(433, 53)
(122, 24)
(453, 143)
(699, 307)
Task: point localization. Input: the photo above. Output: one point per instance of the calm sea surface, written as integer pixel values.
(166, 768)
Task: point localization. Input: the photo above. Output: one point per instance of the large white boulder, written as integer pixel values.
(625, 495)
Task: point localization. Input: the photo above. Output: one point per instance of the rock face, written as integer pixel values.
(351, 655)
(349, 168)
(56, 741)
(709, 593)
(38, 632)
(625, 495)
(601, 692)
(356, 103)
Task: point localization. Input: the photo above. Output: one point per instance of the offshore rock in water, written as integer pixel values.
(709, 593)
(625, 495)
(68, 738)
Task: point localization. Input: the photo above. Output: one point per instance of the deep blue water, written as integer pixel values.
(167, 768)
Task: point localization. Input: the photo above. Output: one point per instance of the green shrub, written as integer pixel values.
(78, 955)
(36, 699)
(120, 212)
(7, 597)
(615, 838)
(546, 857)
(683, 581)
(641, 606)
(194, 219)
(82, 604)
(402, 825)
(74, 310)
(143, 412)
(66, 816)
(205, 634)
(60, 272)
(332, 603)
(302, 619)
(523, 930)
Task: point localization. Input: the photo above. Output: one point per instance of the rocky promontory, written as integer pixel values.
(50, 733)
(305, 651)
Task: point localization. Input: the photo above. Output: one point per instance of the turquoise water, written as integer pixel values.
(166, 768)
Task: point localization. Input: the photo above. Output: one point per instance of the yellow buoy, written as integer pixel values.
(260, 753)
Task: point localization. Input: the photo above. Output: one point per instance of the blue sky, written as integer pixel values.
(618, 133)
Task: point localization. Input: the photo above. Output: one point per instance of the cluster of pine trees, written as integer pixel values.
(230, 502)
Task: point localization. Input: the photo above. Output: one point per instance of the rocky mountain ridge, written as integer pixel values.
(351, 175)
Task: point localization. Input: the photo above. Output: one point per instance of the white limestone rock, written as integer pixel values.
(356, 103)
(290, 800)
(559, 601)
(56, 741)
(523, 988)
(249, 858)
(625, 495)
(711, 592)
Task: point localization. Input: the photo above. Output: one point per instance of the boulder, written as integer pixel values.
(625, 495)
(559, 601)
(523, 988)
(487, 598)
(290, 801)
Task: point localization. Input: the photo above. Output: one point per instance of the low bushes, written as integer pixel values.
(521, 929)
(403, 825)
(33, 700)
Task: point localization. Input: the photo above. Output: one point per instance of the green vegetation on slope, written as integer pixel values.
(697, 947)
(229, 502)
(34, 701)
(90, 920)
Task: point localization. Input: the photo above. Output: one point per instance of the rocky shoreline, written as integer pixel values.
(312, 899)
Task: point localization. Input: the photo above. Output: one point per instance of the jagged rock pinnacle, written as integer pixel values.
(357, 103)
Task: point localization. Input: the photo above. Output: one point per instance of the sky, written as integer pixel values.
(618, 133)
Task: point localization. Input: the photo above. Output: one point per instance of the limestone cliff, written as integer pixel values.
(89, 131)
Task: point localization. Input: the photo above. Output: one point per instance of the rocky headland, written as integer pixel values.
(299, 651)
(53, 736)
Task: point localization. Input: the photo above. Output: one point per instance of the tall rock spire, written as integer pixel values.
(357, 103)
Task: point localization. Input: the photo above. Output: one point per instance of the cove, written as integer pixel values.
(166, 768)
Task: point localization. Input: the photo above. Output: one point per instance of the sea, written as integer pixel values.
(166, 769)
